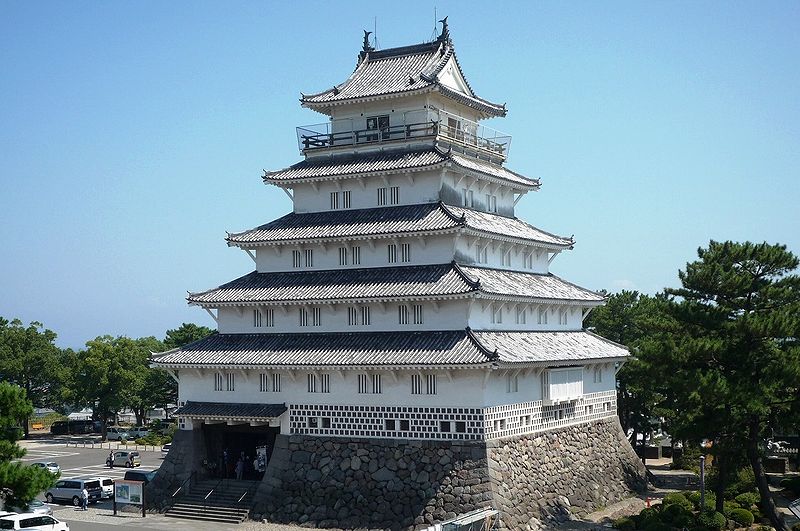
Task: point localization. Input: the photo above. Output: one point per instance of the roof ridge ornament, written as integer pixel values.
(367, 47)
(445, 34)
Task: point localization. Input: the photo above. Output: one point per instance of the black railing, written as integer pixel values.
(309, 139)
(184, 487)
(209, 493)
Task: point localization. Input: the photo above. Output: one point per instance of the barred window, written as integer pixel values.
(325, 383)
(527, 261)
(376, 384)
(418, 316)
(365, 320)
(262, 382)
(352, 316)
(316, 317)
(562, 317)
(218, 381)
(522, 316)
(303, 314)
(276, 382)
(402, 314)
(394, 193)
(362, 384)
(481, 256)
(542, 316)
(430, 384)
(392, 251)
(269, 317)
(506, 258)
(312, 382)
(381, 196)
(334, 200)
(295, 258)
(230, 381)
(309, 256)
(416, 384)
(355, 254)
(512, 383)
(346, 199)
(405, 252)
(342, 256)
(497, 315)
(257, 321)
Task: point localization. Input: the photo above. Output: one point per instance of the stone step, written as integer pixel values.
(200, 509)
(206, 518)
(215, 514)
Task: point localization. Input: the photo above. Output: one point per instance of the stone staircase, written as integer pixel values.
(228, 501)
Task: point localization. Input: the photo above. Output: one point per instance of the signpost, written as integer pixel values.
(129, 492)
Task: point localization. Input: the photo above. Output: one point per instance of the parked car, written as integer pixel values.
(32, 521)
(70, 489)
(140, 475)
(51, 466)
(165, 448)
(35, 506)
(124, 458)
(117, 434)
(107, 485)
(138, 432)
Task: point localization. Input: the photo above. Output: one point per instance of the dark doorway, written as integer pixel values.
(227, 444)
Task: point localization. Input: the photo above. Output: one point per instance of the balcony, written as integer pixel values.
(461, 134)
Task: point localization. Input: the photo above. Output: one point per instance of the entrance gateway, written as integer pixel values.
(231, 431)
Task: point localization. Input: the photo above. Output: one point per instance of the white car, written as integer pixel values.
(107, 484)
(50, 466)
(138, 432)
(32, 521)
(117, 434)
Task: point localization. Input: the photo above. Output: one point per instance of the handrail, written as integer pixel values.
(189, 480)
(205, 499)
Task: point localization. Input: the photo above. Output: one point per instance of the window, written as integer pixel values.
(295, 258)
(313, 422)
(303, 314)
(365, 315)
(389, 425)
(334, 200)
(326, 422)
(325, 383)
(316, 316)
(230, 381)
(527, 261)
(392, 251)
(506, 259)
(358, 315)
(522, 315)
(352, 316)
(405, 252)
(377, 388)
(430, 384)
(381, 196)
(418, 317)
(404, 425)
(512, 383)
(444, 426)
(355, 254)
(342, 256)
(461, 426)
(542, 316)
(309, 256)
(491, 203)
(467, 197)
(402, 314)
(369, 384)
(497, 315)
(346, 199)
(312, 383)
(269, 317)
(257, 321)
(394, 195)
(416, 384)
(362, 384)
(378, 123)
(218, 381)
(262, 382)
(480, 255)
(562, 317)
(598, 375)
(276, 382)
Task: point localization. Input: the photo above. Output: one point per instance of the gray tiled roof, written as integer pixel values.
(398, 71)
(350, 165)
(230, 410)
(529, 285)
(339, 284)
(331, 349)
(403, 282)
(376, 349)
(407, 219)
(531, 347)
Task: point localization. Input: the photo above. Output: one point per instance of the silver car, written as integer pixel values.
(70, 490)
(50, 466)
(35, 506)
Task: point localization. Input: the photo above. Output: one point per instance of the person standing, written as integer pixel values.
(85, 499)
(239, 468)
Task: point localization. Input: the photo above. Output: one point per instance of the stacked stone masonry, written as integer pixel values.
(534, 480)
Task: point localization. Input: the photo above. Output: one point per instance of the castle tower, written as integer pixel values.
(401, 300)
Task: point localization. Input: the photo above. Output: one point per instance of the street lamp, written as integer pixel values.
(702, 483)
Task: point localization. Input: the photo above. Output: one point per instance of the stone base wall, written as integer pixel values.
(533, 480)
(185, 456)
(372, 483)
(549, 477)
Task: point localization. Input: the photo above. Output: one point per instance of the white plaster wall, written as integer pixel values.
(450, 315)
(198, 385)
(415, 188)
(480, 318)
(608, 378)
(454, 183)
(400, 111)
(466, 253)
(529, 387)
(427, 250)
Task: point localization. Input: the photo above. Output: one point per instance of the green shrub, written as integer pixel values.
(625, 524)
(742, 517)
(676, 498)
(647, 516)
(712, 520)
(748, 499)
(745, 482)
(729, 506)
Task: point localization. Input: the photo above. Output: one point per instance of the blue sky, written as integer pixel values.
(134, 133)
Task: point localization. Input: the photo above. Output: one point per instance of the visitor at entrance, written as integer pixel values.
(239, 468)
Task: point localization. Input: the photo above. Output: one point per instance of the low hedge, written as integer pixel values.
(742, 517)
(712, 520)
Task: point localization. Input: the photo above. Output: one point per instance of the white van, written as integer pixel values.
(32, 521)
